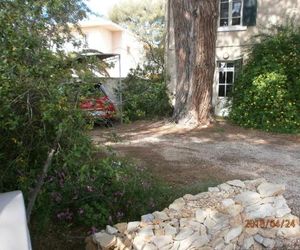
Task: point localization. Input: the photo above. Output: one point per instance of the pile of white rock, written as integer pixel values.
(238, 214)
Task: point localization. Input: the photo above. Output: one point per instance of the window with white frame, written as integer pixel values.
(231, 13)
(226, 78)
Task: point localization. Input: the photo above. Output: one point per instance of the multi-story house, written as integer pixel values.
(110, 38)
(239, 21)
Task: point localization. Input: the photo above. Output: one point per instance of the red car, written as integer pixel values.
(99, 106)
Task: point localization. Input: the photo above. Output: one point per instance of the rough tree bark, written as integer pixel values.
(195, 32)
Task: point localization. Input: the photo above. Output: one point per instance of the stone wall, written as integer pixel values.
(234, 215)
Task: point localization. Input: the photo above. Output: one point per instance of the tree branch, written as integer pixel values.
(41, 180)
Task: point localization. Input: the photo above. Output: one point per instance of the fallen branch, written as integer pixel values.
(41, 180)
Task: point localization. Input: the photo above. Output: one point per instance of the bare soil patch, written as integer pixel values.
(220, 152)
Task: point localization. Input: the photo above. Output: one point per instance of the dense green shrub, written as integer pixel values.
(103, 192)
(145, 98)
(267, 92)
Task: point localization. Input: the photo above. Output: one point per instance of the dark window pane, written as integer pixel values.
(229, 77)
(223, 22)
(228, 90)
(224, 10)
(236, 21)
(230, 65)
(222, 77)
(221, 90)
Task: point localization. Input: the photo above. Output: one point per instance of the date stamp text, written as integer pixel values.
(270, 223)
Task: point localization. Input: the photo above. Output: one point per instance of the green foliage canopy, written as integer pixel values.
(144, 18)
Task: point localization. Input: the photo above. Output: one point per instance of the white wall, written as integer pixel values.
(112, 39)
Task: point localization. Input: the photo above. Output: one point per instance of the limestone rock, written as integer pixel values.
(251, 231)
(267, 189)
(105, 240)
(195, 225)
(200, 215)
(254, 183)
(147, 218)
(234, 210)
(262, 211)
(150, 247)
(159, 232)
(120, 244)
(146, 233)
(267, 200)
(200, 241)
(229, 247)
(268, 232)
(184, 233)
(170, 230)
(209, 223)
(248, 242)
(111, 230)
(284, 210)
(228, 202)
(233, 233)
(177, 204)
(241, 238)
(248, 198)
(257, 246)
(236, 183)
(258, 238)
(268, 243)
(279, 201)
(190, 197)
(184, 222)
(133, 226)
(122, 227)
(176, 245)
(236, 221)
(186, 243)
(281, 207)
(225, 187)
(221, 246)
(162, 241)
(213, 189)
(138, 243)
(161, 216)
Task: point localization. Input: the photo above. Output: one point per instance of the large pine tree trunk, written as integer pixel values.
(195, 25)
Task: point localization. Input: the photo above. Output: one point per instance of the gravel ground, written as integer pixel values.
(220, 152)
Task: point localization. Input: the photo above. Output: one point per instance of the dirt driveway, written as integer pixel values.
(220, 152)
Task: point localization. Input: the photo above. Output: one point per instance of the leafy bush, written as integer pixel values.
(145, 98)
(267, 92)
(104, 191)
